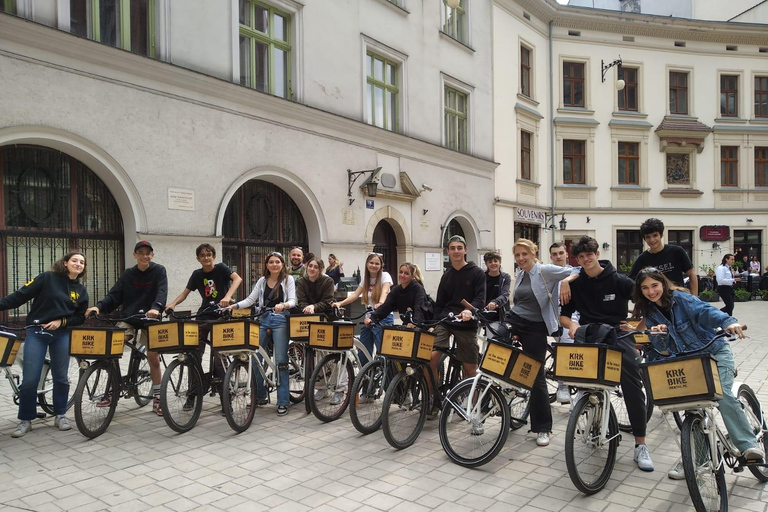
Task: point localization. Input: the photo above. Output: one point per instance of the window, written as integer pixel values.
(629, 163)
(628, 96)
(573, 162)
(761, 96)
(729, 166)
(525, 71)
(525, 155)
(456, 120)
(678, 93)
(265, 50)
(729, 95)
(126, 24)
(573, 84)
(629, 245)
(381, 92)
(456, 21)
(761, 167)
(683, 238)
(8, 6)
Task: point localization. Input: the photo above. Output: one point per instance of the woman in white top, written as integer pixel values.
(275, 289)
(374, 290)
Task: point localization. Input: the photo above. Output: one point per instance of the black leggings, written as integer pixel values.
(729, 297)
(632, 386)
(533, 337)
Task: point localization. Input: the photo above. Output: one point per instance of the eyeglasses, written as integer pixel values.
(297, 247)
(278, 254)
(380, 255)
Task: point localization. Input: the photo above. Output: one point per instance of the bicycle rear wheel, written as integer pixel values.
(754, 414)
(549, 372)
(330, 388)
(705, 481)
(404, 410)
(181, 395)
(620, 408)
(519, 407)
(140, 381)
(588, 457)
(46, 383)
(96, 398)
(367, 398)
(474, 426)
(239, 395)
(296, 371)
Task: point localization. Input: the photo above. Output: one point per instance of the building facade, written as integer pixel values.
(685, 140)
(235, 123)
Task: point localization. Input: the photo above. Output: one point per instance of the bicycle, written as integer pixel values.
(705, 448)
(101, 384)
(406, 402)
(300, 357)
(330, 386)
(477, 415)
(14, 354)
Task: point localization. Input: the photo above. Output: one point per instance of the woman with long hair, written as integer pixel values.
(690, 324)
(408, 296)
(335, 269)
(275, 289)
(314, 291)
(373, 290)
(59, 301)
(534, 315)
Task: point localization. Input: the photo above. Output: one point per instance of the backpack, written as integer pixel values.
(429, 308)
(596, 333)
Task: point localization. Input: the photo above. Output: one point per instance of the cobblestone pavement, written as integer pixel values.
(297, 463)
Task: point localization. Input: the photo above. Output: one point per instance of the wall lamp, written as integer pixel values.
(749, 219)
(549, 221)
(453, 4)
(620, 83)
(606, 246)
(369, 185)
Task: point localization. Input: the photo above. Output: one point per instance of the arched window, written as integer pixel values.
(52, 204)
(454, 228)
(260, 218)
(385, 243)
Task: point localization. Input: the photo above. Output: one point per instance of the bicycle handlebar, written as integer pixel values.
(719, 333)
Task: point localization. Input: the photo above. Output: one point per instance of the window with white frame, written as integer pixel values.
(126, 24)
(8, 6)
(382, 91)
(455, 21)
(456, 110)
(265, 48)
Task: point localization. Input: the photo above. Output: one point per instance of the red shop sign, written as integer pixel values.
(715, 233)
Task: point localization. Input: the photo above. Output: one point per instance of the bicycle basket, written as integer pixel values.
(173, 337)
(97, 342)
(681, 380)
(510, 364)
(588, 363)
(331, 335)
(235, 336)
(400, 342)
(9, 348)
(299, 326)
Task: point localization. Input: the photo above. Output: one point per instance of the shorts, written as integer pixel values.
(467, 349)
(136, 336)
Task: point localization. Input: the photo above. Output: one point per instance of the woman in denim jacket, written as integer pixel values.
(691, 324)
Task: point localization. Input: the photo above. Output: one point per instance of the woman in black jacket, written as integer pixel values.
(408, 296)
(59, 302)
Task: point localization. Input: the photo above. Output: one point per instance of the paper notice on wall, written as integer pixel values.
(433, 261)
(181, 199)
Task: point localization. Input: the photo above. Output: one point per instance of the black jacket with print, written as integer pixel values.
(55, 296)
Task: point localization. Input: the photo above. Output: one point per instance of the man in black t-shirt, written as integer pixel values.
(671, 260)
(497, 284)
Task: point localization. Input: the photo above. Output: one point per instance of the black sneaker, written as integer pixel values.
(262, 401)
(282, 410)
(189, 405)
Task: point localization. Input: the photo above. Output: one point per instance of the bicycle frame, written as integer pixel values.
(605, 392)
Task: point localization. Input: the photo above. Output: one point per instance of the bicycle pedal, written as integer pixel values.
(41, 415)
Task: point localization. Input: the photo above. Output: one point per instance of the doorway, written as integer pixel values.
(385, 243)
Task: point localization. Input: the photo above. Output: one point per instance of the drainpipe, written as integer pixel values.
(551, 131)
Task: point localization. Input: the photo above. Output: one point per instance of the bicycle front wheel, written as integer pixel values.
(330, 388)
(96, 398)
(45, 388)
(296, 371)
(620, 408)
(239, 395)
(140, 381)
(474, 426)
(404, 410)
(368, 397)
(754, 414)
(705, 480)
(590, 453)
(181, 395)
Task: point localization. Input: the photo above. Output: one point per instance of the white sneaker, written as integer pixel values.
(754, 455)
(643, 458)
(62, 423)
(319, 394)
(563, 393)
(542, 439)
(477, 428)
(677, 473)
(24, 427)
(337, 398)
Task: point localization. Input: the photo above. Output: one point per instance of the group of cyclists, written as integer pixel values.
(545, 300)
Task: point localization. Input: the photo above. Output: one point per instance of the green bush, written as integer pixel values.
(709, 296)
(742, 295)
(764, 294)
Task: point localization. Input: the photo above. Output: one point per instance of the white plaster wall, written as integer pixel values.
(201, 36)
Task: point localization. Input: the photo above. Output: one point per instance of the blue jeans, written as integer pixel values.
(278, 323)
(35, 348)
(372, 335)
(730, 409)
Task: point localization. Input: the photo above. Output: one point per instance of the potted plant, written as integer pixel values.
(626, 268)
(764, 295)
(739, 265)
(742, 295)
(709, 296)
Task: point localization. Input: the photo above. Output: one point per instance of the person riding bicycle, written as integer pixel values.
(143, 287)
(215, 282)
(314, 291)
(497, 284)
(409, 296)
(59, 301)
(275, 289)
(690, 324)
(600, 295)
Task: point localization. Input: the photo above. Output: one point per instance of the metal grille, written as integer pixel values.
(261, 218)
(53, 204)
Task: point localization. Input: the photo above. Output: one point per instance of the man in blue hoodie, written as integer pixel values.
(601, 296)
